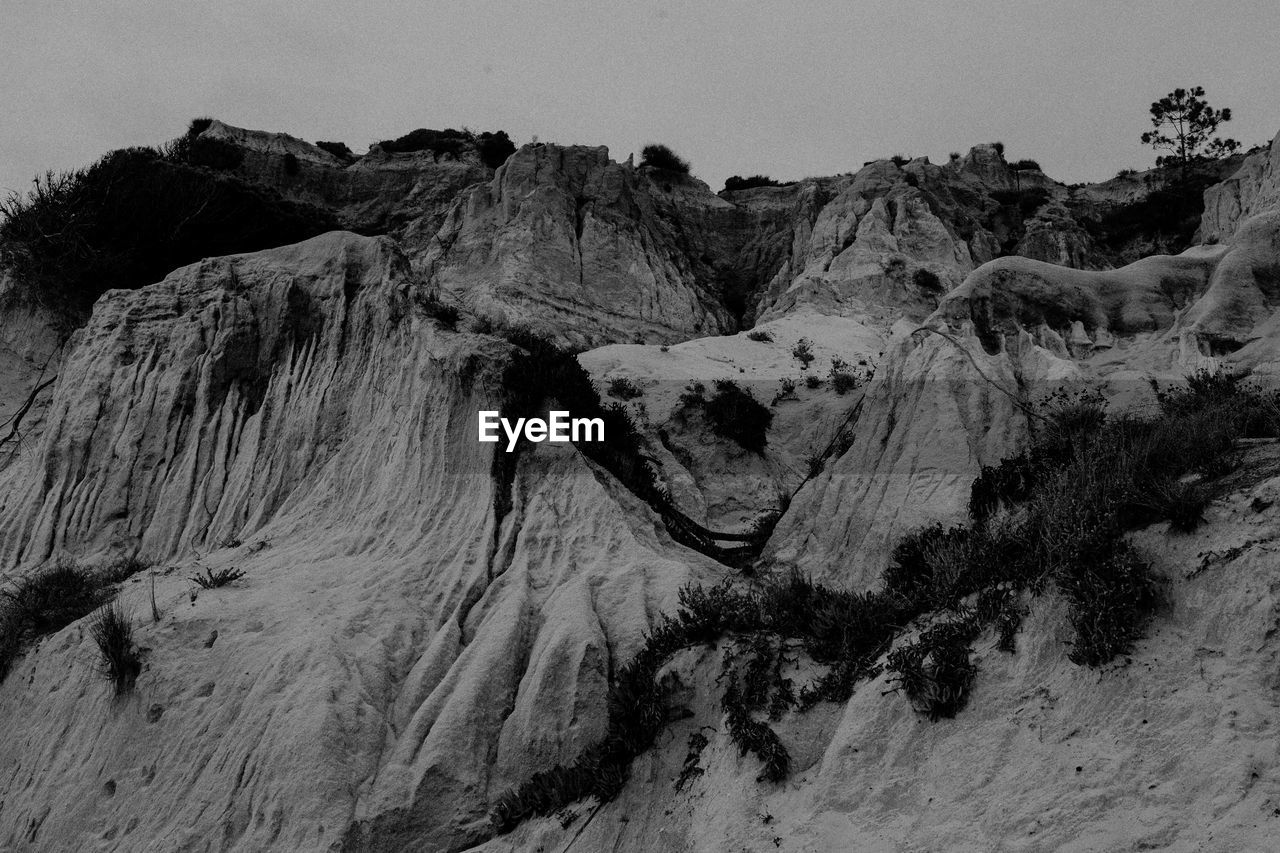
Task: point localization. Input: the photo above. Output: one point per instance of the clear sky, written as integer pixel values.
(788, 89)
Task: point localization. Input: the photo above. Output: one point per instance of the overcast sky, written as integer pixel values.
(790, 89)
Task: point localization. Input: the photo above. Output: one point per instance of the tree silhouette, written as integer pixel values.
(1184, 124)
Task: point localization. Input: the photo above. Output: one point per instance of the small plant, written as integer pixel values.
(664, 348)
(623, 388)
(120, 661)
(843, 379)
(953, 156)
(803, 351)
(734, 414)
(214, 578)
(662, 158)
(1025, 165)
(786, 390)
(900, 160)
(999, 146)
(813, 464)
(813, 381)
(760, 336)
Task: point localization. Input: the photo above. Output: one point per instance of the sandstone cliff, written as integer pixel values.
(422, 626)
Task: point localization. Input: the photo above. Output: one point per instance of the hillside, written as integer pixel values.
(425, 622)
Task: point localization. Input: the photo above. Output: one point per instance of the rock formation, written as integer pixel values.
(425, 622)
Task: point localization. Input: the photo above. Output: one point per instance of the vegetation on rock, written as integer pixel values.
(1052, 517)
(137, 214)
(662, 158)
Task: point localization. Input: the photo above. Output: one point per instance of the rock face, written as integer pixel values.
(1074, 760)
(1253, 189)
(296, 402)
(425, 622)
(573, 244)
(379, 193)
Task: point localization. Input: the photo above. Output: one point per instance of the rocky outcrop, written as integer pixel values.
(1072, 759)
(1252, 189)
(422, 626)
(712, 479)
(572, 244)
(404, 645)
(379, 193)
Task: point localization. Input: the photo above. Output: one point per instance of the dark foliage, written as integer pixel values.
(734, 414)
(132, 217)
(120, 660)
(662, 158)
(339, 150)
(843, 379)
(1167, 217)
(737, 182)
(214, 578)
(803, 352)
(760, 336)
(44, 602)
(1025, 166)
(624, 389)
(448, 142)
(927, 280)
(1026, 201)
(495, 148)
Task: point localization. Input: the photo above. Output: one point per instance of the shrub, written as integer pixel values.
(760, 336)
(212, 579)
(624, 389)
(662, 158)
(900, 160)
(734, 414)
(448, 142)
(1027, 201)
(737, 182)
(495, 148)
(786, 390)
(1025, 166)
(120, 660)
(131, 218)
(339, 150)
(843, 379)
(927, 280)
(999, 146)
(51, 599)
(1167, 216)
(935, 671)
(803, 351)
(953, 156)
(813, 381)
(44, 602)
